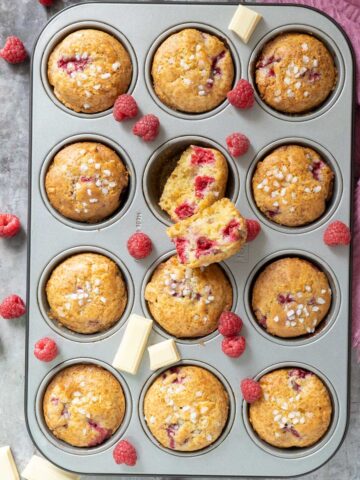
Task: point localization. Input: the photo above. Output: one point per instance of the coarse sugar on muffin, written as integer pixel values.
(186, 408)
(85, 182)
(192, 71)
(294, 411)
(210, 236)
(295, 73)
(188, 302)
(84, 405)
(292, 185)
(88, 70)
(86, 293)
(198, 180)
(290, 297)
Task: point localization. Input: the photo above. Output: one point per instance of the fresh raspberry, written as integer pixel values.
(12, 307)
(45, 349)
(242, 95)
(139, 245)
(253, 229)
(233, 346)
(147, 127)
(337, 233)
(230, 324)
(14, 50)
(251, 390)
(46, 3)
(125, 452)
(238, 144)
(125, 107)
(9, 225)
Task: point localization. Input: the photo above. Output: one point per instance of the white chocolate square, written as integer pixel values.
(40, 469)
(244, 22)
(133, 343)
(163, 354)
(8, 470)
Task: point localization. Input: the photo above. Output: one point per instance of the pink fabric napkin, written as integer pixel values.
(347, 14)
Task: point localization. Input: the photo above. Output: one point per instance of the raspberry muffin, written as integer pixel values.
(295, 73)
(85, 182)
(291, 297)
(192, 71)
(188, 302)
(214, 234)
(292, 185)
(86, 293)
(198, 180)
(88, 70)
(294, 411)
(84, 405)
(186, 408)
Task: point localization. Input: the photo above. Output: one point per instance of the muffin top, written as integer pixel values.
(186, 408)
(188, 302)
(85, 181)
(198, 180)
(292, 185)
(192, 71)
(294, 411)
(290, 297)
(86, 293)
(295, 73)
(84, 405)
(88, 70)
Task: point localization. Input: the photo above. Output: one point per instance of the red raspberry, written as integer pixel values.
(14, 50)
(125, 107)
(230, 324)
(46, 3)
(147, 127)
(238, 144)
(139, 245)
(9, 225)
(251, 390)
(253, 229)
(125, 452)
(233, 346)
(242, 95)
(185, 210)
(12, 307)
(337, 233)
(45, 349)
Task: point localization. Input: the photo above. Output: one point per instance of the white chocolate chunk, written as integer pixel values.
(133, 343)
(163, 354)
(8, 470)
(40, 469)
(244, 22)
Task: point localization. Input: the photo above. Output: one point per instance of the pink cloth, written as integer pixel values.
(347, 14)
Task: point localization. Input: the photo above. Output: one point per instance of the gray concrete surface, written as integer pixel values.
(25, 18)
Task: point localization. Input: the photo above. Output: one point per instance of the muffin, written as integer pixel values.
(214, 234)
(85, 182)
(192, 71)
(290, 297)
(88, 70)
(84, 405)
(186, 408)
(294, 411)
(86, 293)
(198, 180)
(295, 73)
(292, 185)
(188, 302)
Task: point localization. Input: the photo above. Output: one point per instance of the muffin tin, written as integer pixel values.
(140, 26)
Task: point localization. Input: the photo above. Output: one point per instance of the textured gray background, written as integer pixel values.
(25, 18)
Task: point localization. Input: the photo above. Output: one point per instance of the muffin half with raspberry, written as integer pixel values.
(198, 180)
(192, 71)
(84, 405)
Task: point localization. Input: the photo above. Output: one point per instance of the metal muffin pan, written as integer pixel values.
(238, 452)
